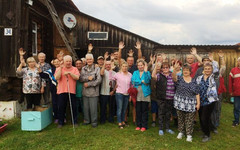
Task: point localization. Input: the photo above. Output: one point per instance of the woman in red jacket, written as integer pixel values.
(234, 90)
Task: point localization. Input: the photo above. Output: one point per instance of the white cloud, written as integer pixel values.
(171, 21)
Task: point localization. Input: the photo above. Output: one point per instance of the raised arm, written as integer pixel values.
(174, 74)
(120, 47)
(154, 73)
(58, 73)
(138, 47)
(222, 62)
(90, 48)
(193, 51)
(103, 67)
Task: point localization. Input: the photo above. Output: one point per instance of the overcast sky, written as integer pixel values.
(171, 21)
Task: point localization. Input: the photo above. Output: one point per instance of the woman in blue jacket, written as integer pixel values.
(141, 80)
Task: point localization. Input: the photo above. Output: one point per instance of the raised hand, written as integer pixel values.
(153, 58)
(164, 56)
(106, 55)
(176, 66)
(210, 55)
(146, 67)
(37, 65)
(121, 45)
(90, 47)
(193, 51)
(131, 52)
(138, 45)
(112, 56)
(21, 51)
(221, 54)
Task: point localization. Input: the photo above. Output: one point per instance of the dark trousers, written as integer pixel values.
(33, 99)
(79, 103)
(55, 104)
(62, 103)
(205, 118)
(111, 101)
(164, 112)
(142, 114)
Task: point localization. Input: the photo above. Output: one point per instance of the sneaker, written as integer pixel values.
(215, 131)
(180, 135)
(154, 124)
(59, 126)
(143, 129)
(160, 132)
(94, 125)
(235, 124)
(138, 128)
(189, 138)
(170, 131)
(205, 138)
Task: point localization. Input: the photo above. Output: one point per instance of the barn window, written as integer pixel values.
(34, 38)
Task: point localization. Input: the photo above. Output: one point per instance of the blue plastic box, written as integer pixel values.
(36, 120)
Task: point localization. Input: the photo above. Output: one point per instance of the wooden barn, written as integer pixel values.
(37, 26)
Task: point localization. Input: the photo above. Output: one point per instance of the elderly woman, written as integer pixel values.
(165, 91)
(141, 80)
(123, 81)
(44, 67)
(32, 83)
(186, 101)
(208, 97)
(66, 75)
(91, 78)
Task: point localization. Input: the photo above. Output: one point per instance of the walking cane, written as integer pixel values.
(69, 97)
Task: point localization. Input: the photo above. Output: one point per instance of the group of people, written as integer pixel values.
(175, 90)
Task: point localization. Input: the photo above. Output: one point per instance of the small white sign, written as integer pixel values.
(69, 20)
(7, 31)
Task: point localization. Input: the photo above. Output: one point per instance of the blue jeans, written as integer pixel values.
(122, 103)
(236, 110)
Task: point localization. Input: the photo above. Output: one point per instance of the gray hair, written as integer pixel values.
(67, 57)
(42, 54)
(89, 56)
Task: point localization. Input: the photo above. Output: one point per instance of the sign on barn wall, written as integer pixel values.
(7, 31)
(69, 20)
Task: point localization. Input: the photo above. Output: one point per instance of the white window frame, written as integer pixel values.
(34, 45)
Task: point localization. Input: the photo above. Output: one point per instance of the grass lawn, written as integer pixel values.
(108, 136)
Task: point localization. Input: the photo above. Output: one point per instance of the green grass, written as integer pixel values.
(108, 136)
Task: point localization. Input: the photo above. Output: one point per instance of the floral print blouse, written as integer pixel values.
(32, 82)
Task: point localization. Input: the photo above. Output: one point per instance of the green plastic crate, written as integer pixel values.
(36, 120)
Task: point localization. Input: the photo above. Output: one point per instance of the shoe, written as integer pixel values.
(76, 125)
(215, 131)
(56, 121)
(94, 125)
(65, 120)
(170, 131)
(205, 138)
(189, 138)
(154, 124)
(160, 132)
(143, 129)
(59, 126)
(235, 124)
(180, 135)
(120, 126)
(138, 128)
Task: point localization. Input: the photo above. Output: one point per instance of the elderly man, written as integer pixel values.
(191, 61)
(107, 92)
(66, 75)
(234, 90)
(91, 78)
(44, 67)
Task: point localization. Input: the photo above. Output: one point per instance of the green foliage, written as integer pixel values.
(109, 136)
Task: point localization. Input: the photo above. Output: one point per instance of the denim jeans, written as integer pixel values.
(122, 103)
(236, 110)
